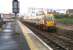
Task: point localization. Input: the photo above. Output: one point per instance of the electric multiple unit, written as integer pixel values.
(44, 22)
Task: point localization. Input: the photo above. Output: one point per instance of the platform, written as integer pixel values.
(8, 39)
(34, 42)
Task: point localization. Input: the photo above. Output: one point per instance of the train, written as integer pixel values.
(43, 22)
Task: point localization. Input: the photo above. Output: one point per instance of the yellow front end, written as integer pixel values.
(50, 24)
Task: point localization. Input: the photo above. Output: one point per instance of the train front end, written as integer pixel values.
(50, 23)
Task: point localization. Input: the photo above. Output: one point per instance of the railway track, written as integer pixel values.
(66, 33)
(55, 40)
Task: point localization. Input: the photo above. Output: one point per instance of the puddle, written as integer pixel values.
(7, 30)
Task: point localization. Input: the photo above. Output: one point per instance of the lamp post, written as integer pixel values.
(15, 9)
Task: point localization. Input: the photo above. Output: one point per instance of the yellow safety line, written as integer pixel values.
(29, 40)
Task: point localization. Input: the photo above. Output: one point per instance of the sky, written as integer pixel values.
(6, 5)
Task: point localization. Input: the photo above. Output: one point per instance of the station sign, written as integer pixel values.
(15, 5)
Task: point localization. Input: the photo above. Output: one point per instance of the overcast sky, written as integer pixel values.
(6, 5)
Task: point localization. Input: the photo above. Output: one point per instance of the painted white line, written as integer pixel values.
(42, 41)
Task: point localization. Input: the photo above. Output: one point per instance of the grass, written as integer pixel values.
(17, 34)
(65, 20)
(0, 29)
(21, 45)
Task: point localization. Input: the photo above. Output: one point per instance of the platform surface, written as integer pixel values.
(7, 40)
